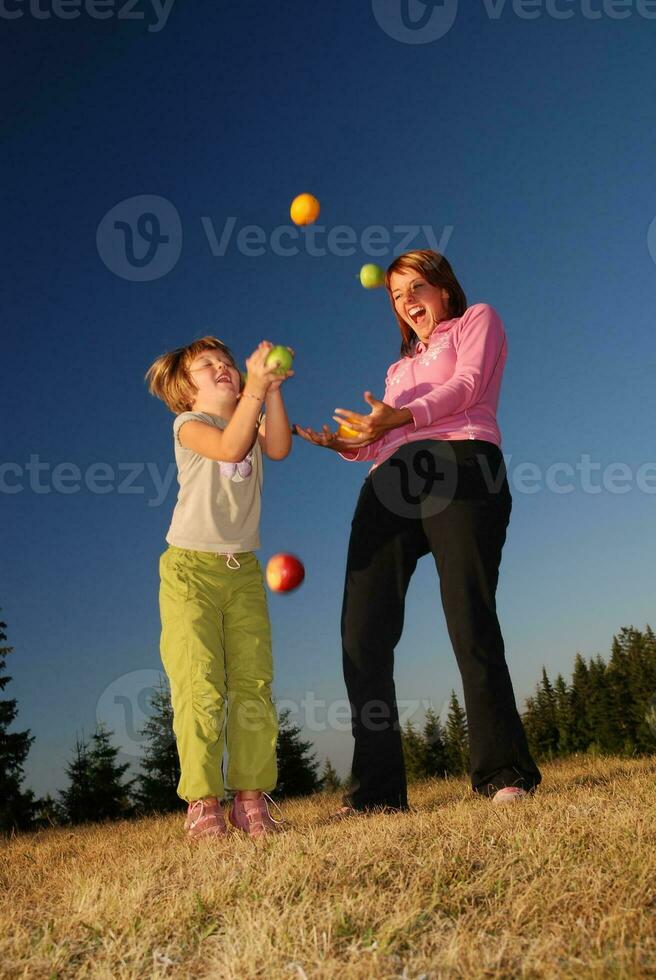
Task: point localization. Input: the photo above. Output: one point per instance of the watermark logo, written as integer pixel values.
(425, 21)
(422, 478)
(157, 12)
(140, 239)
(125, 707)
(419, 480)
(415, 21)
(651, 240)
(650, 714)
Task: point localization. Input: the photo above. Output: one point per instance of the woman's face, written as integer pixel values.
(419, 303)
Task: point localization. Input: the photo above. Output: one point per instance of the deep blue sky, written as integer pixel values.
(531, 140)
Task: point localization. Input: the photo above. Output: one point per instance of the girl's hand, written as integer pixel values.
(328, 439)
(260, 377)
(371, 427)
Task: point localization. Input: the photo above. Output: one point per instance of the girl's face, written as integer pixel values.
(215, 376)
(419, 303)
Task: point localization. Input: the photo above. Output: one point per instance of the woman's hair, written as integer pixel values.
(168, 377)
(436, 270)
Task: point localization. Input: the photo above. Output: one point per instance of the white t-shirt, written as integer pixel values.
(218, 506)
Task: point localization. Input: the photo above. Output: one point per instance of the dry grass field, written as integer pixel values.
(560, 885)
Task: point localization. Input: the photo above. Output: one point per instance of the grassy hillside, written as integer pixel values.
(563, 884)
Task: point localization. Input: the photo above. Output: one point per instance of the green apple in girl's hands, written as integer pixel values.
(281, 358)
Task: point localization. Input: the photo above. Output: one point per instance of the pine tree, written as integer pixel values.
(330, 781)
(563, 716)
(16, 804)
(540, 720)
(579, 702)
(649, 718)
(633, 672)
(414, 753)
(297, 765)
(618, 678)
(77, 799)
(157, 784)
(456, 740)
(644, 689)
(628, 672)
(436, 762)
(547, 703)
(95, 791)
(111, 797)
(600, 710)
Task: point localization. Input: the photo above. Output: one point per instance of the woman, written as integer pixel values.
(437, 484)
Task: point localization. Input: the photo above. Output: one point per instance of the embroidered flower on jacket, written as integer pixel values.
(435, 350)
(425, 358)
(398, 375)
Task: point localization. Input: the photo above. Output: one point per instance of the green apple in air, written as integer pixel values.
(281, 358)
(372, 276)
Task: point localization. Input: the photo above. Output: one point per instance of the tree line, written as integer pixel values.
(605, 708)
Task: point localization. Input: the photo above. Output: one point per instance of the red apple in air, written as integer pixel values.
(284, 573)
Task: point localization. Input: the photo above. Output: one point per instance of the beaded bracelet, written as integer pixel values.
(260, 398)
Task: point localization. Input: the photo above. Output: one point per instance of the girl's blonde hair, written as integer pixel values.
(436, 270)
(168, 377)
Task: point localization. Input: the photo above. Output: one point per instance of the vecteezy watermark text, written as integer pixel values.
(319, 240)
(416, 476)
(41, 477)
(425, 21)
(423, 478)
(125, 707)
(94, 9)
(140, 238)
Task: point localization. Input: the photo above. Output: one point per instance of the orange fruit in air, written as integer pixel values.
(304, 209)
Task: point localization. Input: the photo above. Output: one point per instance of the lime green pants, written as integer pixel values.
(216, 652)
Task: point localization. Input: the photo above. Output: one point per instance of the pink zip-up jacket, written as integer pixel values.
(451, 385)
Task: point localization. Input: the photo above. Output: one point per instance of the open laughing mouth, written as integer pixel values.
(223, 378)
(417, 313)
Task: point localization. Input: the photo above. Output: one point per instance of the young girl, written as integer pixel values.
(216, 635)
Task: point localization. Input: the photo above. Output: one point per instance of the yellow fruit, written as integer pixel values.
(372, 276)
(305, 209)
(346, 432)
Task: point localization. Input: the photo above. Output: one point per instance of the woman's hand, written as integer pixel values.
(328, 439)
(371, 427)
